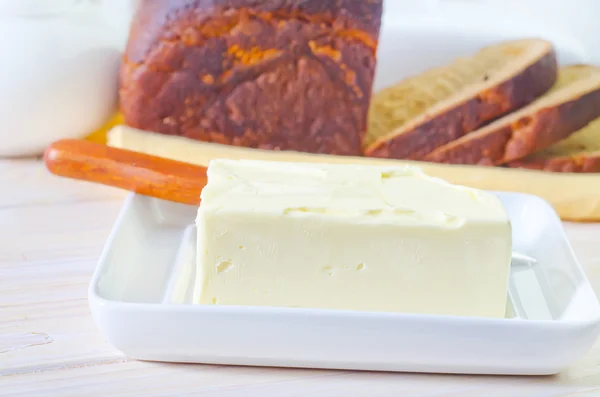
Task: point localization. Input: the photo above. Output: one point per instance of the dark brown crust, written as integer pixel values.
(584, 163)
(470, 115)
(519, 138)
(269, 74)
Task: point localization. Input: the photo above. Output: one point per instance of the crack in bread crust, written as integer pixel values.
(161, 20)
(183, 77)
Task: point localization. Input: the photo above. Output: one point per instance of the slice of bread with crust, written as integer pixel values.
(570, 105)
(417, 115)
(580, 152)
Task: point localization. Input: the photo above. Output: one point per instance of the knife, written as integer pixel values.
(136, 172)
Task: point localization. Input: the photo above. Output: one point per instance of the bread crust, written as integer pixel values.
(510, 141)
(269, 74)
(470, 114)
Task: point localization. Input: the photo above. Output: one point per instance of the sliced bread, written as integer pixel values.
(570, 105)
(580, 152)
(417, 115)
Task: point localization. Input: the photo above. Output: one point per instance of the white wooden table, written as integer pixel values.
(51, 234)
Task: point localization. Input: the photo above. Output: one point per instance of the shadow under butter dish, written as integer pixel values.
(350, 237)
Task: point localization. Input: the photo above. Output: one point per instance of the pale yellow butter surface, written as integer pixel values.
(355, 237)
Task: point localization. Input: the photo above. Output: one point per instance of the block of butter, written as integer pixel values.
(350, 237)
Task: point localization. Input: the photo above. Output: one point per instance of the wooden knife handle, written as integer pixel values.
(137, 172)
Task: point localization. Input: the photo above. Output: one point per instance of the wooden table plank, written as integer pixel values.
(52, 231)
(27, 182)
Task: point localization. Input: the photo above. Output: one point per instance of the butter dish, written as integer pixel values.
(141, 288)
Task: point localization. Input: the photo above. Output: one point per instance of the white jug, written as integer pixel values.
(59, 69)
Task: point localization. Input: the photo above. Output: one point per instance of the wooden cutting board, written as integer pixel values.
(576, 197)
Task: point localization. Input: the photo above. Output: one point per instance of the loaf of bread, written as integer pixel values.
(580, 152)
(412, 118)
(270, 74)
(570, 105)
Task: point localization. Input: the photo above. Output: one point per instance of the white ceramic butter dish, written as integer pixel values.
(140, 292)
